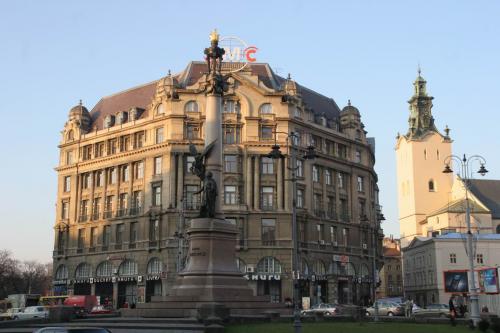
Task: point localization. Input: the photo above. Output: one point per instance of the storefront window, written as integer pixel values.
(105, 268)
(127, 268)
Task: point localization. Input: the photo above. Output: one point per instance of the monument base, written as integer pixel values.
(211, 287)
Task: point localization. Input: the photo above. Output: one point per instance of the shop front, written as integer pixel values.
(267, 279)
(127, 281)
(82, 281)
(60, 283)
(154, 278)
(104, 283)
(344, 273)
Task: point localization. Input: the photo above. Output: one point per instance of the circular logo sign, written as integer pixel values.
(237, 52)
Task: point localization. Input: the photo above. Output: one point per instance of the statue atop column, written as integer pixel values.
(209, 196)
(216, 83)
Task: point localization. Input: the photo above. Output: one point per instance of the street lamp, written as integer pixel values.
(465, 174)
(276, 154)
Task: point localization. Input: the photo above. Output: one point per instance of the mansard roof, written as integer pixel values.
(142, 96)
(488, 192)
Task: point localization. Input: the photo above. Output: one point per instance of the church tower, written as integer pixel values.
(422, 187)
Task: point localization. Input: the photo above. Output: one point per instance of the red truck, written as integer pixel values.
(83, 304)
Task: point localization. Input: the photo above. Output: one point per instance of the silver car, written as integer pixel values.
(324, 308)
(32, 312)
(433, 310)
(386, 309)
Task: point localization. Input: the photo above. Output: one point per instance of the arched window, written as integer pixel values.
(160, 109)
(498, 229)
(269, 265)
(304, 267)
(83, 270)
(62, 272)
(109, 121)
(191, 106)
(266, 108)
(127, 268)
(431, 186)
(350, 270)
(241, 265)
(364, 271)
(70, 136)
(155, 266)
(105, 268)
(319, 268)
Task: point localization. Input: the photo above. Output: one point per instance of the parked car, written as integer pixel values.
(324, 308)
(100, 309)
(386, 309)
(32, 312)
(72, 330)
(433, 310)
(9, 314)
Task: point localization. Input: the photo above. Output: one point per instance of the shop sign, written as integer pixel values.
(127, 278)
(313, 277)
(59, 282)
(364, 279)
(101, 279)
(342, 278)
(87, 280)
(263, 277)
(153, 277)
(236, 50)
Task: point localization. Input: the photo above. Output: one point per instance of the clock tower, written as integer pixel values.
(422, 187)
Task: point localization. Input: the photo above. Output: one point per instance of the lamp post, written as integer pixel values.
(465, 174)
(179, 235)
(276, 154)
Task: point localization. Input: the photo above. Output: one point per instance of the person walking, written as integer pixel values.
(408, 308)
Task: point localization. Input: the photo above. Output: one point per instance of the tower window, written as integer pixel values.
(437, 154)
(425, 154)
(431, 186)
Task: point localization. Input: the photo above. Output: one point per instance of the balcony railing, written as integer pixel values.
(344, 217)
(108, 214)
(118, 246)
(135, 210)
(83, 218)
(121, 212)
(96, 216)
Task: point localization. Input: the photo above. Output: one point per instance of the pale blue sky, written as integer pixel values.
(55, 52)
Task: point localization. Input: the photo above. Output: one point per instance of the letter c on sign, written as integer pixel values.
(249, 53)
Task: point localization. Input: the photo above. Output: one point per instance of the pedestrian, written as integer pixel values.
(411, 307)
(407, 308)
(453, 312)
(485, 309)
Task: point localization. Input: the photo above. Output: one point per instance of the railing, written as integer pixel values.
(92, 249)
(121, 212)
(104, 248)
(79, 250)
(269, 242)
(96, 216)
(267, 207)
(135, 210)
(118, 246)
(345, 217)
(83, 218)
(108, 214)
(132, 245)
(153, 244)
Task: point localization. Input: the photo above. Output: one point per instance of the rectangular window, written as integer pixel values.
(192, 131)
(136, 203)
(67, 183)
(109, 206)
(157, 165)
(106, 235)
(112, 176)
(156, 194)
(112, 146)
(133, 232)
(360, 184)
(357, 156)
(119, 233)
(69, 157)
(99, 178)
(159, 135)
(342, 151)
(93, 237)
(344, 210)
(453, 258)
(315, 173)
(231, 106)
(317, 203)
(300, 168)
(139, 140)
(333, 235)
(231, 134)
(87, 152)
(328, 177)
(341, 180)
(124, 143)
(122, 204)
(84, 210)
(267, 165)
(479, 258)
(231, 163)
(65, 210)
(191, 202)
(362, 209)
(241, 230)
(320, 230)
(230, 195)
(154, 229)
(99, 149)
(86, 180)
(300, 198)
(139, 170)
(267, 193)
(331, 208)
(96, 208)
(345, 236)
(125, 173)
(266, 133)
(81, 239)
(268, 232)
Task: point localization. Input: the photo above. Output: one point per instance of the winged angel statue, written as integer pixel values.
(209, 188)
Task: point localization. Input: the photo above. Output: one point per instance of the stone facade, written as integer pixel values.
(126, 194)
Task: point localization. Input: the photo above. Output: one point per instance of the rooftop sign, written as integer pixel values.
(237, 51)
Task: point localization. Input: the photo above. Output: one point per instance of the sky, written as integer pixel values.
(53, 53)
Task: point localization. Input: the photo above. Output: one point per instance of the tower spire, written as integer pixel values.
(420, 120)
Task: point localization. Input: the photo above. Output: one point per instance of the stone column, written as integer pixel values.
(288, 200)
(256, 185)
(92, 289)
(213, 132)
(171, 183)
(115, 295)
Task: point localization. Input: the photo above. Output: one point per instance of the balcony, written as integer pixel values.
(108, 214)
(104, 248)
(135, 211)
(92, 249)
(96, 216)
(132, 246)
(331, 214)
(267, 207)
(79, 250)
(121, 212)
(153, 244)
(269, 242)
(344, 217)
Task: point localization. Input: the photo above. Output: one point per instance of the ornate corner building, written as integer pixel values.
(126, 193)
